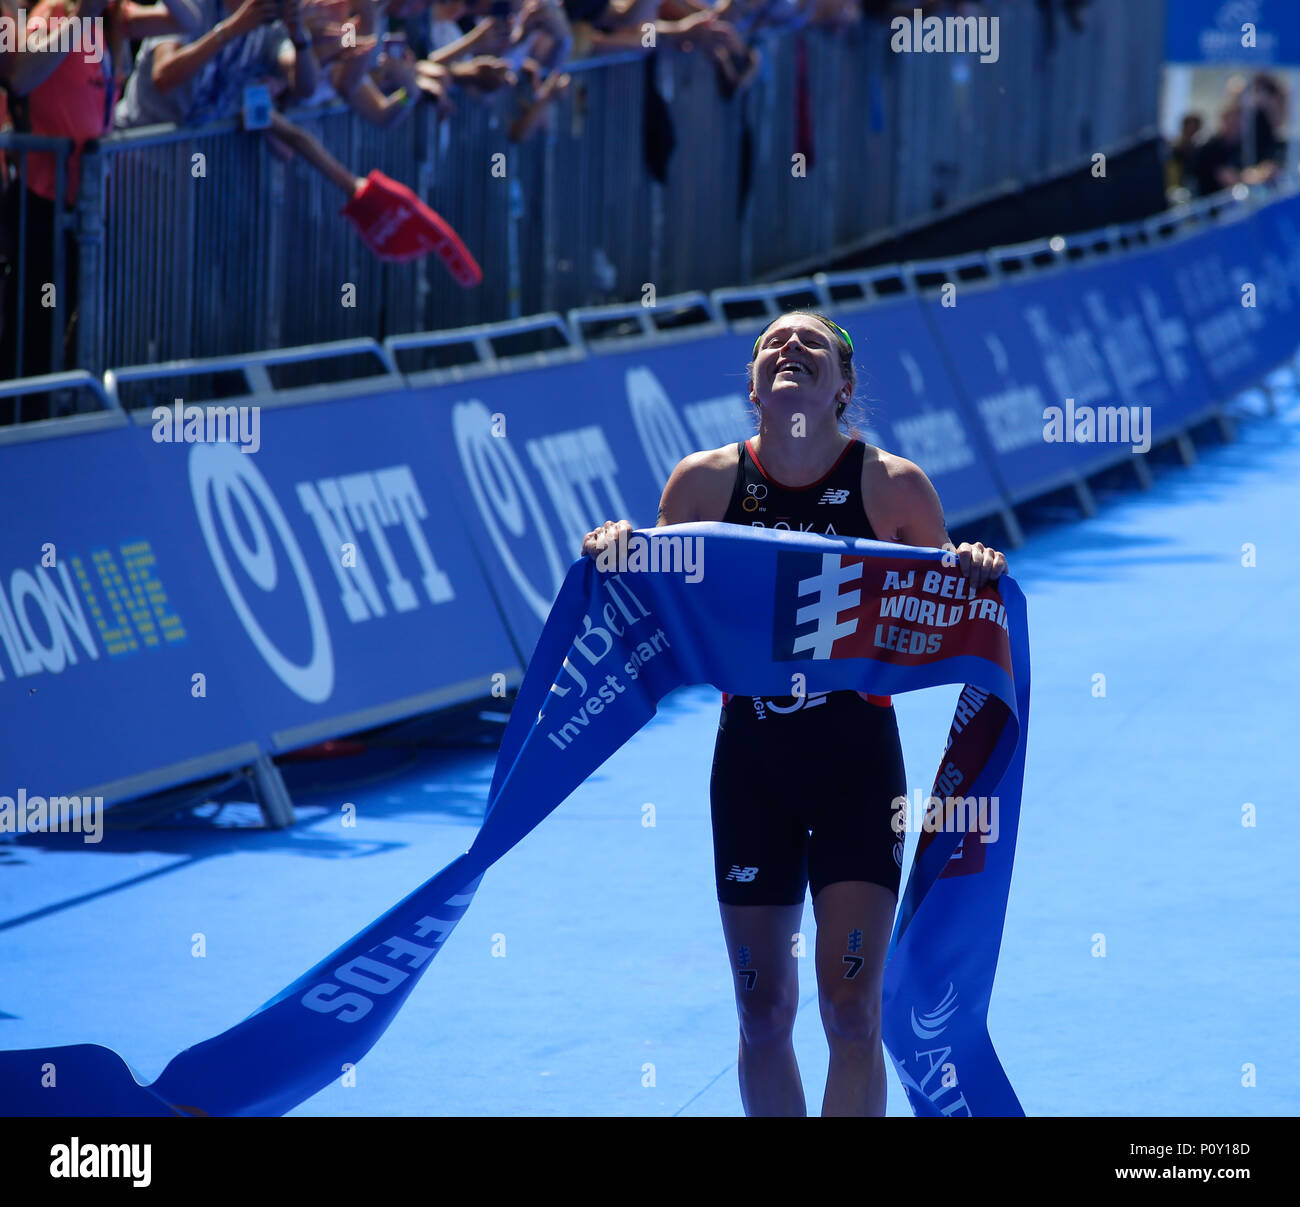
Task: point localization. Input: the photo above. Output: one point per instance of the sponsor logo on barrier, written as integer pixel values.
(936, 441)
(1225, 329)
(577, 473)
(1125, 344)
(1070, 357)
(249, 540)
(1013, 416)
(1172, 338)
(23, 814)
(507, 503)
(381, 505)
(663, 439)
(936, 437)
(126, 600)
(1226, 39)
(232, 499)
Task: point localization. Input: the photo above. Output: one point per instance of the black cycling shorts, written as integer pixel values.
(803, 791)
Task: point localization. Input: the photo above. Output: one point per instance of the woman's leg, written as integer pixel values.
(854, 921)
(760, 946)
(855, 862)
(760, 868)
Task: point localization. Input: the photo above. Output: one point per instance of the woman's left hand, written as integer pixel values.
(980, 564)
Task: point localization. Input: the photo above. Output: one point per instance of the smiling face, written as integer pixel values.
(799, 364)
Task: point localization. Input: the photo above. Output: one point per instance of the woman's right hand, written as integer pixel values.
(607, 534)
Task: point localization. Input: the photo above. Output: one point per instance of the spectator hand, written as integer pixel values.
(327, 40)
(531, 16)
(484, 72)
(254, 13)
(397, 70)
(434, 81)
(320, 15)
(704, 30)
(543, 15)
(351, 65)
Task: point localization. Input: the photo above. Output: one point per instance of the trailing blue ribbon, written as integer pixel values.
(753, 613)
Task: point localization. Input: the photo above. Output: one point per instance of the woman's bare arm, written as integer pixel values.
(174, 63)
(920, 522)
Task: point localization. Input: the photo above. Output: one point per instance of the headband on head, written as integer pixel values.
(848, 339)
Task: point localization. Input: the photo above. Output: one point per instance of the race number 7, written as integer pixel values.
(855, 966)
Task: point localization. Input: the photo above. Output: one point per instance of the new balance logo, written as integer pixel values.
(834, 496)
(742, 874)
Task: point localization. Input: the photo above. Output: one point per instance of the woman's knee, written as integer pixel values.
(768, 1019)
(851, 1018)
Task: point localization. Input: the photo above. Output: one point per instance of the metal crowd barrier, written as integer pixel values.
(516, 345)
(201, 243)
(14, 327)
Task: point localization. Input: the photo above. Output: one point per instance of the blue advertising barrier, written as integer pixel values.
(102, 627)
(914, 408)
(166, 601)
(173, 608)
(533, 476)
(1215, 272)
(1016, 351)
(1071, 371)
(535, 461)
(1277, 227)
(1255, 34)
(1133, 310)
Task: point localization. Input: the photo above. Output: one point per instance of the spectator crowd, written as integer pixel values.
(85, 67)
(1245, 147)
(189, 63)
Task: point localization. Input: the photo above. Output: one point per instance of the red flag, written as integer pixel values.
(396, 225)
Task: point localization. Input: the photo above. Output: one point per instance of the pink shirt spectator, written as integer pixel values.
(75, 102)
